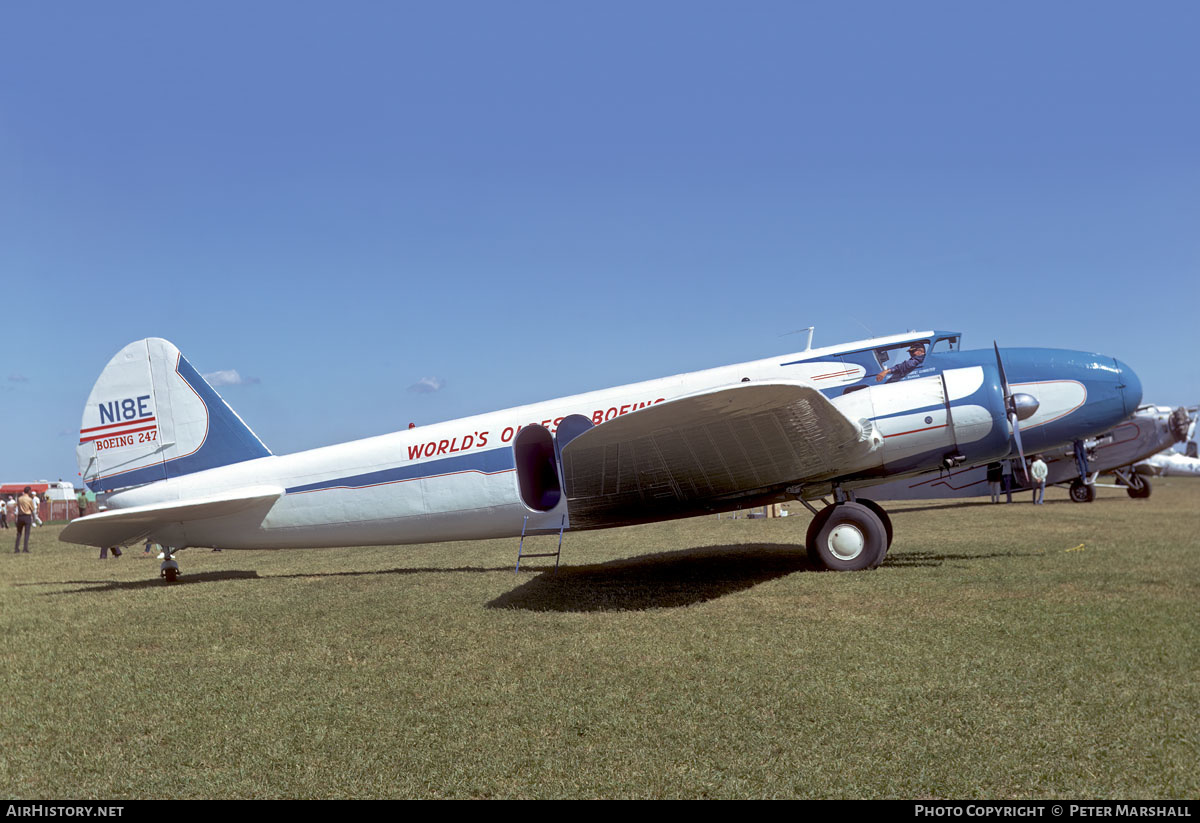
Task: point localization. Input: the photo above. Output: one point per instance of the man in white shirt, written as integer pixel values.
(1038, 471)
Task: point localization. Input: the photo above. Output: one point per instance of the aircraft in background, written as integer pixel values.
(1079, 464)
(1172, 426)
(171, 462)
(1170, 463)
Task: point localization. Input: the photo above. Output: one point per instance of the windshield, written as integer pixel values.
(890, 356)
(897, 362)
(945, 344)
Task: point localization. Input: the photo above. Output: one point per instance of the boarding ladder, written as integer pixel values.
(556, 554)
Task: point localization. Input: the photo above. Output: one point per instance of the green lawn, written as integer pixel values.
(1001, 652)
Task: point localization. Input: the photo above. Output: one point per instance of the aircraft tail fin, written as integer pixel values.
(151, 416)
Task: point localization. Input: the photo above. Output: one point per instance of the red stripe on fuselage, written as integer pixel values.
(835, 374)
(915, 431)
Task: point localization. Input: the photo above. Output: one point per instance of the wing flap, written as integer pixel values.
(121, 527)
(688, 454)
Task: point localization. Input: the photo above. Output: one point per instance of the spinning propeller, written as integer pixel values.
(1018, 406)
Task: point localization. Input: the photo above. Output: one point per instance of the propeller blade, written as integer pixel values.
(1000, 365)
(1010, 406)
(1016, 430)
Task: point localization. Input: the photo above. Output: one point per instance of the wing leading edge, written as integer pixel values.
(688, 455)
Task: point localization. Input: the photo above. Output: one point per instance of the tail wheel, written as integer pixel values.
(852, 538)
(1140, 488)
(1082, 492)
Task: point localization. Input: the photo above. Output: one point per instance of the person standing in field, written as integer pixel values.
(1007, 479)
(994, 474)
(1038, 471)
(24, 520)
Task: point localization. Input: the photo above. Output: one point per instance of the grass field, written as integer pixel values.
(1000, 652)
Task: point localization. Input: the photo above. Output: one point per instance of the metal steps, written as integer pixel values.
(556, 554)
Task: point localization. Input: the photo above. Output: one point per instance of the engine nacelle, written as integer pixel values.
(947, 419)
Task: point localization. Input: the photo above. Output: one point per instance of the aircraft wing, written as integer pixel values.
(121, 527)
(705, 451)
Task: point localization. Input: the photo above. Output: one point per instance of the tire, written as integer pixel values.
(883, 517)
(171, 575)
(1082, 492)
(852, 538)
(815, 526)
(1141, 491)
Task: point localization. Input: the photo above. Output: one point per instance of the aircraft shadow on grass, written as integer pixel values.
(655, 581)
(93, 586)
(676, 578)
(214, 577)
(685, 577)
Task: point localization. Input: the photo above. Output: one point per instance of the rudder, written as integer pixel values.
(151, 416)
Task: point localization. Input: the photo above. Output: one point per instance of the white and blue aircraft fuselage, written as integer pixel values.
(173, 463)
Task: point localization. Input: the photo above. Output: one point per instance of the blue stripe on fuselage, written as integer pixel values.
(488, 462)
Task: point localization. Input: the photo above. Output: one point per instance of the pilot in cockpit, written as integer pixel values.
(916, 356)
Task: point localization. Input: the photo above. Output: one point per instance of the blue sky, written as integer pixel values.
(516, 201)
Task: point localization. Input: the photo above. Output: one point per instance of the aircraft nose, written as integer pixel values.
(1130, 386)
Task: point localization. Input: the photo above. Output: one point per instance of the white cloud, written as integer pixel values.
(428, 385)
(229, 377)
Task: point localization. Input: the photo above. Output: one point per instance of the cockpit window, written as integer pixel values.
(892, 355)
(895, 362)
(945, 344)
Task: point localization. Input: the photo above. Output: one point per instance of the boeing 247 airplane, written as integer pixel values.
(171, 462)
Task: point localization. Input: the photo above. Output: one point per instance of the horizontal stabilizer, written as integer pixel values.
(682, 456)
(121, 527)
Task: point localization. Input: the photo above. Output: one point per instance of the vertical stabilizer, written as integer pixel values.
(152, 416)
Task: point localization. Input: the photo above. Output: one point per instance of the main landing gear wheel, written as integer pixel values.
(815, 526)
(1082, 492)
(883, 516)
(1139, 488)
(849, 537)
